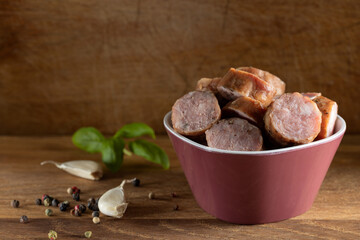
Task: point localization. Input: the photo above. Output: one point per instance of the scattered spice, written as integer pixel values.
(136, 182)
(48, 212)
(176, 207)
(174, 195)
(88, 234)
(69, 191)
(151, 195)
(44, 196)
(75, 189)
(77, 212)
(72, 212)
(15, 203)
(38, 201)
(63, 206)
(24, 219)
(52, 235)
(95, 214)
(96, 220)
(54, 202)
(47, 202)
(76, 207)
(82, 208)
(76, 196)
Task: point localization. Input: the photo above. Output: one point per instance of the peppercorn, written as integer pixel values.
(44, 196)
(48, 212)
(95, 207)
(38, 201)
(24, 219)
(54, 202)
(52, 235)
(151, 195)
(75, 190)
(95, 214)
(47, 202)
(76, 207)
(97, 201)
(72, 212)
(67, 203)
(136, 182)
(176, 207)
(76, 196)
(88, 234)
(91, 203)
(69, 191)
(15, 203)
(91, 200)
(63, 206)
(174, 194)
(96, 220)
(82, 208)
(77, 212)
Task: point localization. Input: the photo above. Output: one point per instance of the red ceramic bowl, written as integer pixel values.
(255, 187)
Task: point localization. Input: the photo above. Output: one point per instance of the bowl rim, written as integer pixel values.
(336, 135)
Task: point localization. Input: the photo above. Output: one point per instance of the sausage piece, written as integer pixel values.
(238, 83)
(195, 112)
(234, 134)
(209, 84)
(246, 108)
(293, 119)
(311, 95)
(273, 80)
(329, 110)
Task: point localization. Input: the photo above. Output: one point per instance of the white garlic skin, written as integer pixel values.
(112, 203)
(82, 168)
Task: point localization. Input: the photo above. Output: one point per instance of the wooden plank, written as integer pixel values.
(67, 64)
(334, 215)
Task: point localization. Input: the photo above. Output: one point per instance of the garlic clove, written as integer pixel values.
(82, 168)
(112, 203)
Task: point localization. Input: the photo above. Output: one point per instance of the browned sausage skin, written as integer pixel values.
(234, 134)
(209, 84)
(329, 110)
(293, 119)
(246, 108)
(273, 80)
(311, 95)
(195, 112)
(238, 83)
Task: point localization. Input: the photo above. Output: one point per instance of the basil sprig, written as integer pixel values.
(112, 149)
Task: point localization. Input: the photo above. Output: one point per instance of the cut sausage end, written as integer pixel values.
(293, 119)
(234, 134)
(195, 112)
(329, 110)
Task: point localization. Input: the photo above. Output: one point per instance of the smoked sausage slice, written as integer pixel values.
(329, 110)
(293, 119)
(276, 82)
(238, 83)
(195, 112)
(311, 95)
(246, 108)
(234, 134)
(209, 84)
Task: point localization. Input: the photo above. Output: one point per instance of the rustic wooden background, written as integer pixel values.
(66, 64)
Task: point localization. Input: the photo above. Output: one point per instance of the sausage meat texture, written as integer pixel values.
(234, 134)
(293, 119)
(246, 108)
(329, 110)
(238, 83)
(195, 112)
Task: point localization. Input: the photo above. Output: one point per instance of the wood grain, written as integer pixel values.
(334, 215)
(70, 63)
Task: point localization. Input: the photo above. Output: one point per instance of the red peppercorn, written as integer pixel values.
(75, 189)
(77, 207)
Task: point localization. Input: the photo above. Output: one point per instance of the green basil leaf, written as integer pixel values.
(150, 151)
(88, 139)
(133, 130)
(112, 153)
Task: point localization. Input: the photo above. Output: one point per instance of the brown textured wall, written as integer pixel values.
(66, 64)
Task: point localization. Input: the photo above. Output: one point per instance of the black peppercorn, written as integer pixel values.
(15, 203)
(54, 202)
(95, 207)
(136, 182)
(97, 201)
(24, 219)
(82, 208)
(38, 201)
(63, 207)
(76, 196)
(95, 214)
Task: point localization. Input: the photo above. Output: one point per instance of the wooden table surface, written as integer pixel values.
(334, 215)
